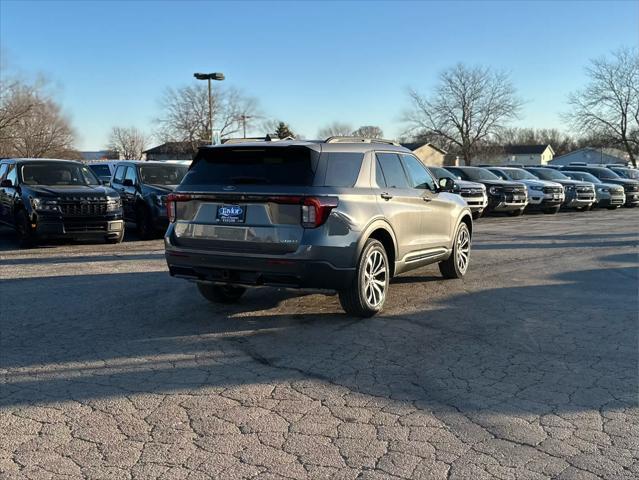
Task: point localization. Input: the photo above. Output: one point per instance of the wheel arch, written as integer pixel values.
(381, 231)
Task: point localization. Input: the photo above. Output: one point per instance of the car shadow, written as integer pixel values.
(564, 345)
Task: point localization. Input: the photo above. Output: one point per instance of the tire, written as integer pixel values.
(26, 238)
(551, 210)
(477, 214)
(517, 213)
(613, 207)
(220, 293)
(367, 294)
(456, 265)
(143, 224)
(117, 239)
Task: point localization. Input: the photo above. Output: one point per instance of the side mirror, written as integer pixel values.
(6, 183)
(446, 184)
(127, 182)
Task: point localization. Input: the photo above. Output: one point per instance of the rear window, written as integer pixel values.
(252, 166)
(342, 168)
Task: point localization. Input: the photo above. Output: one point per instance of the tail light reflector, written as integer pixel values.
(171, 200)
(315, 210)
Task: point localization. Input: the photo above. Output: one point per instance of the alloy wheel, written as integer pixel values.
(462, 250)
(375, 273)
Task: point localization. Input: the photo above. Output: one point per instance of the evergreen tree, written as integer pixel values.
(283, 131)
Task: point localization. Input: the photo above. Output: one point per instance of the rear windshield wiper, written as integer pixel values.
(247, 179)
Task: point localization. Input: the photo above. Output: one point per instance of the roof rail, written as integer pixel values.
(349, 139)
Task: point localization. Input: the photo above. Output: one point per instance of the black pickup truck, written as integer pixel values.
(48, 199)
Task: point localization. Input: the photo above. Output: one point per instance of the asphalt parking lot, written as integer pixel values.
(526, 369)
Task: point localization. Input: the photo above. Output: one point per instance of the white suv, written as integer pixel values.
(542, 194)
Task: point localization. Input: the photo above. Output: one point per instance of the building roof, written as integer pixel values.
(526, 149)
(412, 146)
(591, 155)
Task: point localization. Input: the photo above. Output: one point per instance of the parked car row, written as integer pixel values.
(49, 199)
(345, 214)
(514, 190)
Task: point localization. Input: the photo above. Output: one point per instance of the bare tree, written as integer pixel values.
(369, 131)
(335, 129)
(43, 132)
(608, 106)
(469, 105)
(185, 113)
(129, 142)
(16, 102)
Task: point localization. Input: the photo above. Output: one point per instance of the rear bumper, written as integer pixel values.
(254, 270)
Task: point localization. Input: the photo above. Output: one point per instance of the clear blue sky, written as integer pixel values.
(307, 63)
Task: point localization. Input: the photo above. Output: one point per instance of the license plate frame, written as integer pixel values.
(231, 214)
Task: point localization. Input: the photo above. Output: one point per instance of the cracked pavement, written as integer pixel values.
(526, 369)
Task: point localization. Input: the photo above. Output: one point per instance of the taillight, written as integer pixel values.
(315, 210)
(171, 201)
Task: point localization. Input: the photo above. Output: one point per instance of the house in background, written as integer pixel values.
(527, 154)
(592, 155)
(429, 154)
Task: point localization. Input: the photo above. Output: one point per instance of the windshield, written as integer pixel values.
(519, 174)
(162, 174)
(548, 174)
(476, 174)
(583, 176)
(101, 170)
(623, 172)
(57, 173)
(604, 173)
(441, 173)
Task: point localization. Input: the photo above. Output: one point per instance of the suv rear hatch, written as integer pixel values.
(248, 199)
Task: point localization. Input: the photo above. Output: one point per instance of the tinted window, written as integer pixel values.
(252, 166)
(101, 170)
(119, 174)
(162, 174)
(418, 173)
(57, 173)
(548, 174)
(130, 174)
(342, 169)
(519, 174)
(393, 170)
(499, 173)
(441, 173)
(3, 170)
(584, 176)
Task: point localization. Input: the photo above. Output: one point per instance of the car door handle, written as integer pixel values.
(427, 199)
(386, 196)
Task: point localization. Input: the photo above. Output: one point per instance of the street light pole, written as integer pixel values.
(209, 77)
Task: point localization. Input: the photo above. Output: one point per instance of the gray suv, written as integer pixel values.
(344, 214)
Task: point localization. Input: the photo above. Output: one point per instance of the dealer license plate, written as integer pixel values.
(231, 213)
